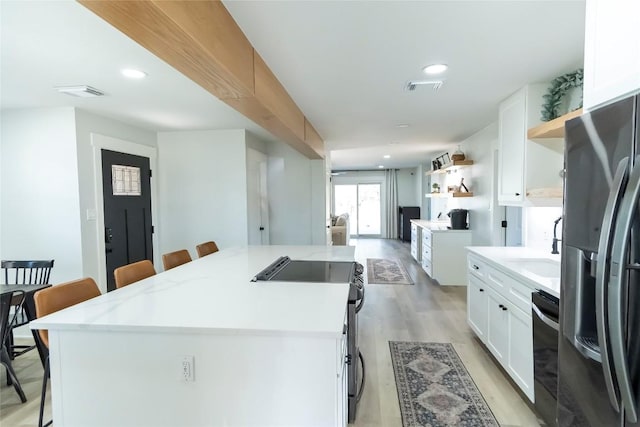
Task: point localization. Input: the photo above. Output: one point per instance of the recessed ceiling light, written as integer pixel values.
(402, 125)
(380, 167)
(386, 156)
(133, 74)
(435, 68)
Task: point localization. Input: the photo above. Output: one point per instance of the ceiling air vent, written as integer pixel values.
(83, 91)
(411, 85)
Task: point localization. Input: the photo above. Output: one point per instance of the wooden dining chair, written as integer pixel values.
(55, 299)
(206, 248)
(130, 273)
(174, 259)
(8, 300)
(23, 273)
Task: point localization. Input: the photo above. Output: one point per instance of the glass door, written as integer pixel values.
(368, 210)
(362, 202)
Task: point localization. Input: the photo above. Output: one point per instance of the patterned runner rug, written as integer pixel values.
(387, 272)
(434, 387)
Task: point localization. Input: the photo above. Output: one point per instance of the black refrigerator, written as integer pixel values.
(599, 340)
(405, 215)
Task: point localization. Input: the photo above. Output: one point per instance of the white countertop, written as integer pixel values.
(506, 259)
(215, 294)
(437, 226)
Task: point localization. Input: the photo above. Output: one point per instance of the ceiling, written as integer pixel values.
(61, 43)
(345, 64)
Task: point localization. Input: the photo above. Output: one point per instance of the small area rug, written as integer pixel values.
(434, 387)
(387, 272)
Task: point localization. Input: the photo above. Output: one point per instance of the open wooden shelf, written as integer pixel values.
(545, 193)
(448, 166)
(461, 194)
(553, 128)
(456, 194)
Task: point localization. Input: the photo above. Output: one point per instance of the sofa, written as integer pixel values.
(340, 229)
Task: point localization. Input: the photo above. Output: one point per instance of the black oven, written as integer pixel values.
(284, 269)
(545, 313)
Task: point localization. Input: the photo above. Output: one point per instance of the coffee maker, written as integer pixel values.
(459, 219)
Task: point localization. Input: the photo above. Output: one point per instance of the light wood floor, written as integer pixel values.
(421, 312)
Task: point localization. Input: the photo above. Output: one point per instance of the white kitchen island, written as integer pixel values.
(265, 353)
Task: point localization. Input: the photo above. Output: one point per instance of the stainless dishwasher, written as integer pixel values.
(545, 313)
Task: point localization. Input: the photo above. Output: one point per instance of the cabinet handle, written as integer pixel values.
(501, 306)
(476, 267)
(481, 290)
(504, 308)
(517, 194)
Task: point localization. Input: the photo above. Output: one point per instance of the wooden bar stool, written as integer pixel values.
(206, 248)
(130, 273)
(174, 259)
(55, 299)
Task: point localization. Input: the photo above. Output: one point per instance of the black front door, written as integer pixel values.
(126, 183)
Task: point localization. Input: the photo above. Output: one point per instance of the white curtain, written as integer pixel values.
(391, 179)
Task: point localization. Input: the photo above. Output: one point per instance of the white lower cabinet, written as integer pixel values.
(499, 313)
(443, 255)
(477, 312)
(497, 327)
(416, 242)
(520, 353)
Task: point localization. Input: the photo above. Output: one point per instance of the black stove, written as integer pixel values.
(284, 269)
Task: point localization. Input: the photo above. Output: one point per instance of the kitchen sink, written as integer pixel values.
(539, 266)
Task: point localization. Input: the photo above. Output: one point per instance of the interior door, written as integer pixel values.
(126, 184)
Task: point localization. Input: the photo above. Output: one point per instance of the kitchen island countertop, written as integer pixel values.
(215, 294)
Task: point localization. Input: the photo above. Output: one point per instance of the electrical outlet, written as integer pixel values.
(187, 369)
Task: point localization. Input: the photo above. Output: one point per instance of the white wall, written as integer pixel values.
(319, 213)
(484, 213)
(420, 190)
(407, 187)
(202, 181)
(87, 124)
(39, 199)
(290, 194)
(537, 227)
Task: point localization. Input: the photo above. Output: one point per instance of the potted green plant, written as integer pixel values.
(435, 187)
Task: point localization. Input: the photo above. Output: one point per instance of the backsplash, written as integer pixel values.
(537, 227)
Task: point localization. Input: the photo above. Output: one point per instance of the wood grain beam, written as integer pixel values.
(202, 41)
(312, 138)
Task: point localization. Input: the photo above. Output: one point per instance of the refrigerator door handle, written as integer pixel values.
(604, 248)
(617, 278)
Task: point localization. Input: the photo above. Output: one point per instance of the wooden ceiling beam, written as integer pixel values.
(202, 41)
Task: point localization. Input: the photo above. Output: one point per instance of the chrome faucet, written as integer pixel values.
(554, 245)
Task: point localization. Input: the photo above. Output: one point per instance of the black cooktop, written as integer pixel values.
(284, 269)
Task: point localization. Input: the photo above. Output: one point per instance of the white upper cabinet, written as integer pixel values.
(512, 131)
(612, 51)
(527, 168)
